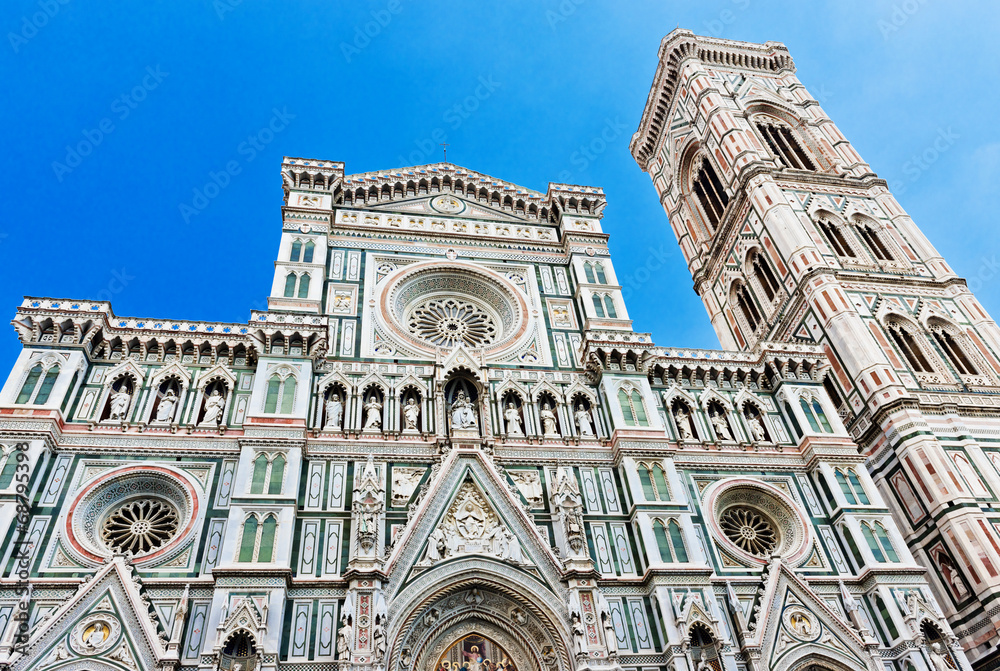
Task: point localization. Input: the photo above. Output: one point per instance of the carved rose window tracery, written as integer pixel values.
(140, 526)
(749, 530)
(447, 322)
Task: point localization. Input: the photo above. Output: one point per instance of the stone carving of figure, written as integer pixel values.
(548, 420)
(756, 426)
(344, 638)
(938, 659)
(511, 547)
(583, 422)
(437, 546)
(97, 636)
(213, 408)
(334, 413)
(610, 637)
(703, 664)
(237, 666)
(952, 577)
(683, 423)
(513, 417)
(378, 637)
(411, 414)
(373, 418)
(470, 521)
(579, 636)
(119, 404)
(463, 415)
(165, 411)
(721, 426)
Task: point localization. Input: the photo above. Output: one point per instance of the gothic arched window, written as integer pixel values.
(910, 348)
(588, 270)
(764, 275)
(599, 270)
(711, 194)
(784, 144)
(38, 384)
(598, 305)
(248, 543)
(304, 286)
(280, 394)
(873, 544)
(633, 409)
(257, 541)
(953, 351)
(307, 256)
(873, 239)
(835, 237)
(290, 280)
(268, 474)
(850, 484)
(296, 252)
(670, 541)
(654, 482)
(609, 305)
(747, 306)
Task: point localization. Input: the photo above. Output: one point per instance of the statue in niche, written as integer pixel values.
(334, 412)
(683, 423)
(373, 416)
(513, 417)
(411, 414)
(120, 401)
(213, 408)
(344, 638)
(938, 659)
(165, 411)
(548, 421)
(378, 637)
(463, 414)
(721, 426)
(579, 636)
(756, 426)
(583, 421)
(951, 577)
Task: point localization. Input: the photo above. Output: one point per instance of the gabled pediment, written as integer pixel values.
(107, 620)
(470, 512)
(447, 205)
(793, 623)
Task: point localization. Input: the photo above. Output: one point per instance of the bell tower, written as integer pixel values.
(791, 237)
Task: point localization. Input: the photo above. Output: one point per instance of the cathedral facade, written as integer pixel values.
(443, 447)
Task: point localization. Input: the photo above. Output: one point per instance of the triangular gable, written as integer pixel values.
(461, 359)
(467, 209)
(464, 473)
(793, 623)
(98, 623)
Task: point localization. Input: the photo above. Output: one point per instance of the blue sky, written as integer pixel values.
(169, 92)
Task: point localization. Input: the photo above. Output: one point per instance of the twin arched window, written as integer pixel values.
(268, 474)
(305, 252)
(956, 355)
(815, 415)
(604, 306)
(257, 542)
(912, 347)
(280, 394)
(302, 281)
(907, 343)
(594, 270)
(654, 482)
(836, 239)
(784, 144)
(878, 542)
(851, 486)
(765, 277)
(670, 541)
(632, 406)
(38, 384)
(747, 306)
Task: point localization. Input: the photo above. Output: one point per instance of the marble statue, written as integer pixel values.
(579, 636)
(513, 417)
(463, 415)
(583, 421)
(411, 414)
(548, 421)
(721, 426)
(756, 427)
(344, 638)
(378, 637)
(119, 404)
(938, 659)
(334, 413)
(373, 414)
(683, 423)
(213, 408)
(165, 411)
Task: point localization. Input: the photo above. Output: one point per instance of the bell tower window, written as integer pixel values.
(835, 237)
(784, 145)
(910, 348)
(711, 194)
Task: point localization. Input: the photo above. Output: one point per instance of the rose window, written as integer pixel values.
(749, 530)
(447, 322)
(140, 526)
